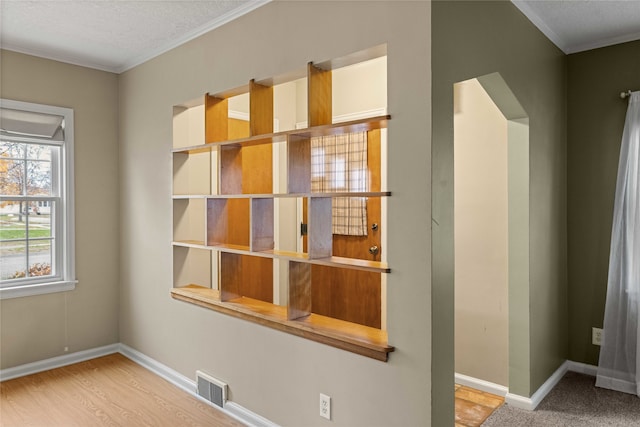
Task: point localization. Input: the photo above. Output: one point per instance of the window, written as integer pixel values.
(36, 199)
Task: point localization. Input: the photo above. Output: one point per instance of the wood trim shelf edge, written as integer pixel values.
(332, 261)
(366, 124)
(284, 195)
(362, 340)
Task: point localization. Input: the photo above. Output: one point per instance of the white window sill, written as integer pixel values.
(36, 289)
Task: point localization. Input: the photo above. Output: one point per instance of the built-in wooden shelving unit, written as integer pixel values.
(227, 193)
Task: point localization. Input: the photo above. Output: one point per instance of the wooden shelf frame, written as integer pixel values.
(283, 195)
(363, 340)
(239, 221)
(330, 261)
(360, 125)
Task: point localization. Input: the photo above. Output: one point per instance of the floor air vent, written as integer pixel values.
(211, 389)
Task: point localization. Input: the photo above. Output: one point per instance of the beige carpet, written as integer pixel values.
(574, 402)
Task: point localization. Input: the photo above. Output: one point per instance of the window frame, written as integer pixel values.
(63, 256)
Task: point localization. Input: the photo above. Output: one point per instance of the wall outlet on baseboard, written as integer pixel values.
(596, 336)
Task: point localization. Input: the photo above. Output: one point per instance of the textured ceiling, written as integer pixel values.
(111, 35)
(116, 35)
(577, 25)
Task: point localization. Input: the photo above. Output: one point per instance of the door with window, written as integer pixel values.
(347, 294)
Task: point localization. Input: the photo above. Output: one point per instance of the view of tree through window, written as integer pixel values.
(37, 243)
(28, 191)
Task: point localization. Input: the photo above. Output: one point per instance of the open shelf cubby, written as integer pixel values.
(234, 174)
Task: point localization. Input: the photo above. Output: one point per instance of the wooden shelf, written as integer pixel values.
(189, 196)
(198, 244)
(361, 125)
(363, 340)
(332, 261)
(336, 261)
(283, 195)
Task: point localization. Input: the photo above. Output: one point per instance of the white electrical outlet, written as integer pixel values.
(325, 406)
(596, 336)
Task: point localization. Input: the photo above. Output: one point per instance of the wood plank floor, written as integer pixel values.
(107, 391)
(473, 407)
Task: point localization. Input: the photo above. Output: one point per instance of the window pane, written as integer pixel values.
(12, 222)
(14, 150)
(11, 176)
(39, 220)
(38, 178)
(39, 152)
(13, 259)
(40, 258)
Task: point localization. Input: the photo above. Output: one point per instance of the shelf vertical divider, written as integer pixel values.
(230, 169)
(299, 290)
(217, 221)
(319, 112)
(298, 164)
(230, 182)
(260, 109)
(230, 276)
(216, 119)
(319, 95)
(320, 230)
(320, 240)
(261, 224)
(257, 161)
(253, 219)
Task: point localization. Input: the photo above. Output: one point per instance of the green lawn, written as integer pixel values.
(17, 233)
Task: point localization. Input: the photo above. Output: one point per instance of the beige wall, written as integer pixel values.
(595, 123)
(476, 38)
(277, 375)
(40, 327)
(481, 236)
(360, 87)
(355, 89)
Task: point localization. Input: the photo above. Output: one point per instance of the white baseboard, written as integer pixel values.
(583, 368)
(528, 403)
(252, 419)
(57, 362)
(232, 409)
(246, 416)
(159, 369)
(531, 403)
(482, 385)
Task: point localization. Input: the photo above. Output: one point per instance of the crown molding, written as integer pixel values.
(540, 24)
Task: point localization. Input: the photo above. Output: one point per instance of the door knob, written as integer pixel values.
(373, 250)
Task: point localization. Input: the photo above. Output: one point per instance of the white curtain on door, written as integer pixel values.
(619, 365)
